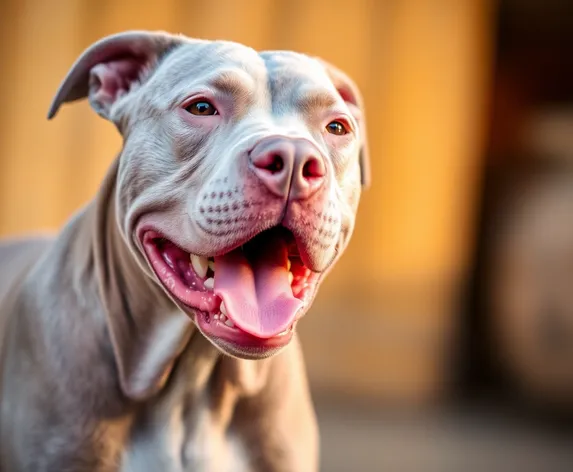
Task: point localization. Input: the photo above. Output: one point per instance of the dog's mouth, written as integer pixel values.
(247, 299)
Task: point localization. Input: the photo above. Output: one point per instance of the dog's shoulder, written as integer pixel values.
(17, 256)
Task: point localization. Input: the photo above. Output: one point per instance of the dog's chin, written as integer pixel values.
(239, 344)
(245, 301)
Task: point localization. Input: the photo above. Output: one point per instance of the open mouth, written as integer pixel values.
(248, 299)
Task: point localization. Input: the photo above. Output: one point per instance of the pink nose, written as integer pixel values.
(288, 167)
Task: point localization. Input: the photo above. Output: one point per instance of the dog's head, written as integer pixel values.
(239, 177)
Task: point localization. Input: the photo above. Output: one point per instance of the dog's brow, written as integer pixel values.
(317, 99)
(229, 84)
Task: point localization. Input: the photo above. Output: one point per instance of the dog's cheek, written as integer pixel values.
(349, 185)
(349, 193)
(344, 160)
(145, 166)
(190, 146)
(144, 161)
(353, 193)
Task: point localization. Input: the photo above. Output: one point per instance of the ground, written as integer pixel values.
(360, 439)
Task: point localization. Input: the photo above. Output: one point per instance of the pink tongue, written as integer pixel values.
(257, 295)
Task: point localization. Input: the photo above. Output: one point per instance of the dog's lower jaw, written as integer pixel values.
(257, 350)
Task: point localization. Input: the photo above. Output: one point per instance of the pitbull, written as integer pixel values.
(156, 331)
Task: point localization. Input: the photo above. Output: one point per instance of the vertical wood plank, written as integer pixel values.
(33, 186)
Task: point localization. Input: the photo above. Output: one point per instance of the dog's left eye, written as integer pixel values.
(336, 127)
(201, 108)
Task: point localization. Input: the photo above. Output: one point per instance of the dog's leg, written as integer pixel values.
(277, 426)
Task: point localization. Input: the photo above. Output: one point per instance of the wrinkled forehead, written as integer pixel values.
(297, 79)
(285, 77)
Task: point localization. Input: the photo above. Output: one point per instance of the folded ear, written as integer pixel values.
(109, 68)
(350, 93)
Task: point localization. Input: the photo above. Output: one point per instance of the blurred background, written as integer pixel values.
(444, 338)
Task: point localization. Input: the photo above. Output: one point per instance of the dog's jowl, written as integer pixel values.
(157, 330)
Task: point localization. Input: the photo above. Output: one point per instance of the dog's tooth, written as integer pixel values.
(289, 264)
(200, 265)
(222, 317)
(229, 323)
(223, 308)
(209, 283)
(212, 265)
(290, 277)
(216, 317)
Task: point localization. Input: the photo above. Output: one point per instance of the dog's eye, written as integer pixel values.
(336, 127)
(201, 108)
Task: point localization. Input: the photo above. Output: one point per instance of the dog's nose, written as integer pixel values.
(288, 167)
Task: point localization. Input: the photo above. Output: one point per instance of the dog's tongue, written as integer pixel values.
(256, 291)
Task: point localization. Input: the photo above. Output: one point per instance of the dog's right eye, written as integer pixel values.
(201, 108)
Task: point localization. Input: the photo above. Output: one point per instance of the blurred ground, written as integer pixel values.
(476, 439)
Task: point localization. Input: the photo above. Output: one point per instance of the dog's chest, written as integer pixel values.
(209, 447)
(183, 435)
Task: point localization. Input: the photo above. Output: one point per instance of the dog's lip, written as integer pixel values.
(242, 343)
(206, 301)
(239, 342)
(149, 232)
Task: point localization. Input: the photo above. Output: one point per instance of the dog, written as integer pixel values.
(156, 331)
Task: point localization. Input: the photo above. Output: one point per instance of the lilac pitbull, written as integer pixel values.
(146, 335)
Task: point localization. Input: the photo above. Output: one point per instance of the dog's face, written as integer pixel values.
(239, 177)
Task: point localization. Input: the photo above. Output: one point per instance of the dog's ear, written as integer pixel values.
(350, 93)
(109, 68)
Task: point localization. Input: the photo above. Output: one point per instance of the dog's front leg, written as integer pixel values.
(277, 426)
